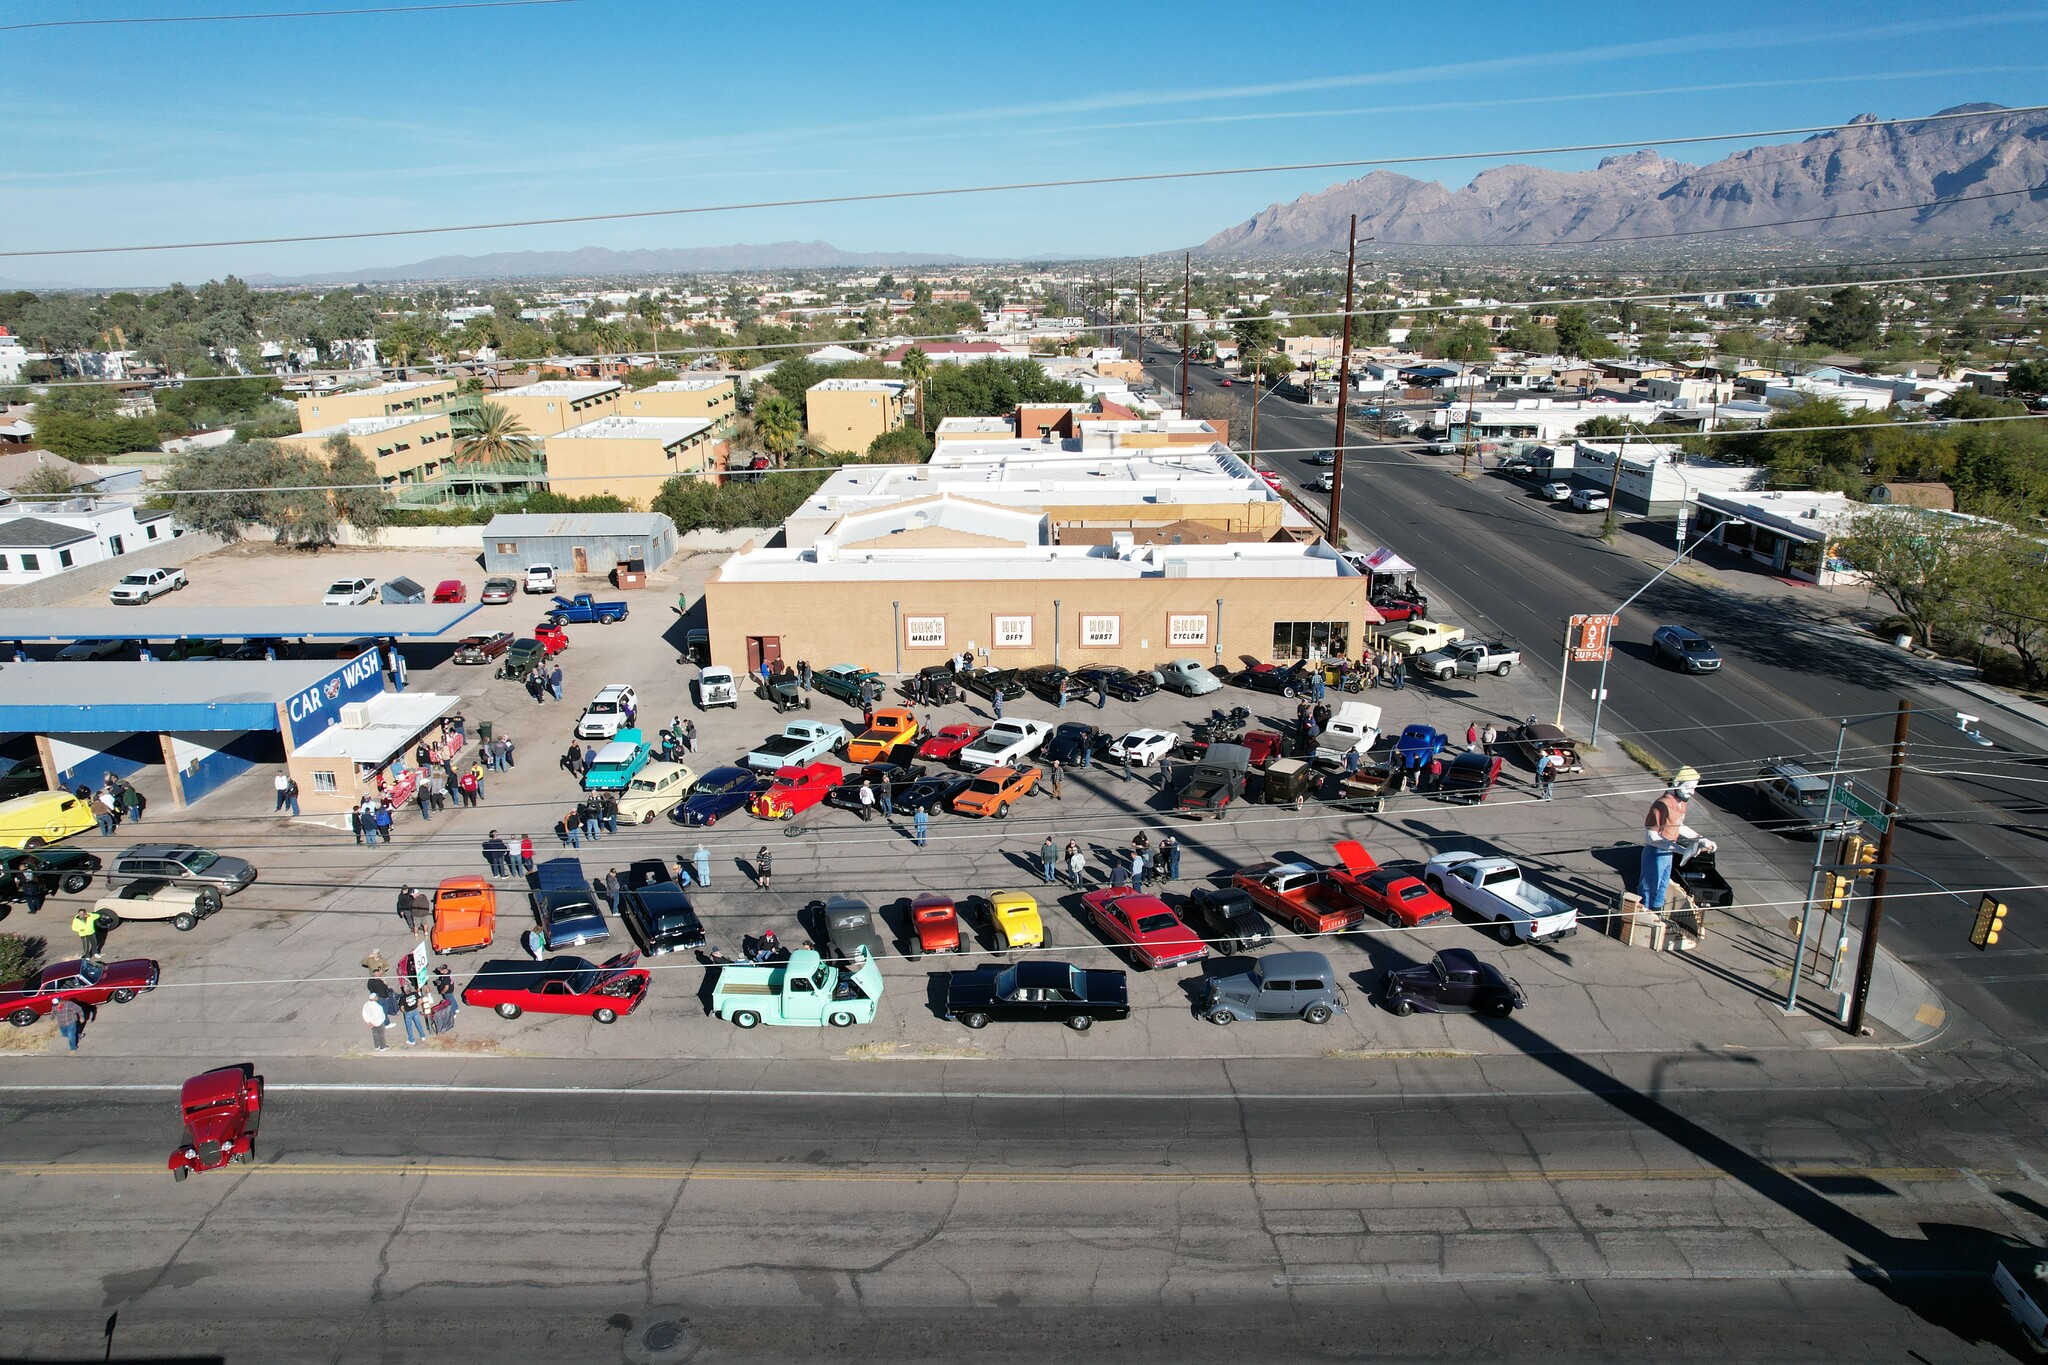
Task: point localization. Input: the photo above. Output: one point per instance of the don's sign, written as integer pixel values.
(319, 706)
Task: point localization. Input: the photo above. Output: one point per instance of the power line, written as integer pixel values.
(278, 14)
(884, 196)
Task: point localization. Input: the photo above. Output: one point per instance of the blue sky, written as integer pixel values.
(177, 132)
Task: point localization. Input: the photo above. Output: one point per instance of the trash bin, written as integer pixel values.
(483, 732)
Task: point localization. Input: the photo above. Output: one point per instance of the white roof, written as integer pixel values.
(565, 388)
(667, 430)
(371, 426)
(1095, 563)
(859, 385)
(396, 720)
(687, 385)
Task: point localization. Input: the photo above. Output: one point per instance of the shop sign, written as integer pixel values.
(924, 632)
(1187, 630)
(1013, 632)
(1101, 632)
(312, 711)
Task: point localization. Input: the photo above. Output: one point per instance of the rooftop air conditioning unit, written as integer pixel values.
(355, 716)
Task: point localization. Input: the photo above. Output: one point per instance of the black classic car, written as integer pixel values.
(1120, 683)
(897, 777)
(1026, 992)
(1070, 740)
(931, 794)
(1227, 918)
(661, 919)
(1291, 681)
(849, 927)
(1455, 981)
(986, 682)
(1053, 682)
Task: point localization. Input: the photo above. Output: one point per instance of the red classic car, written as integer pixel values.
(1400, 608)
(1397, 897)
(450, 590)
(945, 745)
(1265, 746)
(1146, 925)
(936, 923)
(222, 1109)
(86, 983)
(552, 637)
(560, 985)
(795, 790)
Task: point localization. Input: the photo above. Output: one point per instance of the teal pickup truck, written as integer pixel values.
(618, 763)
(806, 990)
(583, 608)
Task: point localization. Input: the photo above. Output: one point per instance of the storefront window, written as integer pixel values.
(1803, 557)
(1296, 639)
(323, 781)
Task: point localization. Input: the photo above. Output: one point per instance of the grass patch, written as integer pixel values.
(1648, 761)
(36, 1037)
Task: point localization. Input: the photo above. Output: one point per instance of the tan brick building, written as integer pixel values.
(405, 447)
(847, 414)
(554, 405)
(714, 399)
(381, 400)
(631, 457)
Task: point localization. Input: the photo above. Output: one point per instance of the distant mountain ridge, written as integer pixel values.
(603, 262)
(1642, 195)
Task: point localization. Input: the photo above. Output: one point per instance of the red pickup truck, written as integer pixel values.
(795, 791)
(1301, 896)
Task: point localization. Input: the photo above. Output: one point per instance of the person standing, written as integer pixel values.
(535, 943)
(409, 1006)
(1077, 864)
(1488, 737)
(32, 893)
(555, 682)
(1101, 694)
(1546, 775)
(448, 1002)
(355, 822)
(384, 821)
(469, 785)
(496, 854)
(283, 784)
(764, 869)
(920, 822)
(86, 924)
(886, 795)
(526, 853)
(424, 794)
(609, 884)
(702, 859)
(103, 811)
(1057, 769)
(1171, 848)
(1049, 860)
(1125, 755)
(867, 800)
(995, 701)
(1472, 736)
(1398, 670)
(1120, 869)
(1138, 868)
(376, 1018)
(803, 673)
(68, 1018)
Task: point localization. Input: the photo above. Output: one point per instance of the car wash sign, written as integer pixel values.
(319, 707)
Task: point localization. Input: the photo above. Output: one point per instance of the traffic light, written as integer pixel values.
(1990, 921)
(1835, 889)
(1859, 855)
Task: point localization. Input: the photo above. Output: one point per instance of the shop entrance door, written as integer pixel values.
(763, 649)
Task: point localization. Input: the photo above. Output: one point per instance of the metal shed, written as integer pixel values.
(592, 543)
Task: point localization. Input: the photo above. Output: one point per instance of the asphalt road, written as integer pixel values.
(1509, 564)
(1796, 1207)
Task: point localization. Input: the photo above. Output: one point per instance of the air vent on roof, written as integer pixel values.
(355, 716)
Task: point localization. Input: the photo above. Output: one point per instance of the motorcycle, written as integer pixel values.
(1223, 727)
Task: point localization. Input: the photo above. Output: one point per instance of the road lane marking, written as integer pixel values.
(1031, 1096)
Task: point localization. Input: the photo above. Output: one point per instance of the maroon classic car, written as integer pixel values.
(83, 982)
(222, 1109)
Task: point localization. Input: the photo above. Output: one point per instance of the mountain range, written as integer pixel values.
(596, 262)
(1643, 197)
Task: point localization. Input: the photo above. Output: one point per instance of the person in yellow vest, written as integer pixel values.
(86, 924)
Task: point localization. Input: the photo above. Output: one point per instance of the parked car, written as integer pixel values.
(845, 682)
(1468, 777)
(715, 687)
(1005, 744)
(1188, 677)
(934, 924)
(655, 790)
(1455, 981)
(42, 818)
(1027, 992)
(944, 745)
(1011, 917)
(995, 790)
(1399, 897)
(850, 929)
(1686, 648)
(660, 918)
(987, 682)
(152, 899)
(1227, 918)
(451, 590)
(181, 864)
(1400, 608)
(1420, 637)
(583, 609)
(1142, 747)
(1300, 895)
(465, 914)
(1555, 492)
(497, 591)
(932, 793)
(1537, 738)
(718, 794)
(58, 869)
(481, 649)
(606, 712)
(540, 578)
(617, 763)
(1589, 500)
(795, 790)
(137, 588)
(1290, 681)
(349, 592)
(804, 991)
(1052, 683)
(562, 985)
(895, 778)
(1121, 683)
(1280, 986)
(1146, 925)
(1466, 659)
(22, 777)
(92, 651)
(1417, 745)
(86, 983)
(565, 907)
(890, 726)
(1070, 740)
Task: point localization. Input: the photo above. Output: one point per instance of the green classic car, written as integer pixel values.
(845, 681)
(58, 869)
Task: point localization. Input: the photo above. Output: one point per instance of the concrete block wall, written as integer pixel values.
(62, 587)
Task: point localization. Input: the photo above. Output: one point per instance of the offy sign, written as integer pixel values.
(1592, 639)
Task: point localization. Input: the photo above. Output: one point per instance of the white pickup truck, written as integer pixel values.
(1493, 890)
(1466, 659)
(1354, 728)
(1005, 743)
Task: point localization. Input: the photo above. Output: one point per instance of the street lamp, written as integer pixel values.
(1600, 688)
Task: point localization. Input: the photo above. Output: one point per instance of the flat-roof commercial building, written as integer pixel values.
(59, 536)
(631, 457)
(846, 415)
(715, 400)
(1790, 533)
(405, 447)
(379, 400)
(583, 542)
(554, 405)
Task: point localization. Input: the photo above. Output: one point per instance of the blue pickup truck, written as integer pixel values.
(583, 608)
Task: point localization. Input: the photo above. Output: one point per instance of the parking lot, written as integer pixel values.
(279, 970)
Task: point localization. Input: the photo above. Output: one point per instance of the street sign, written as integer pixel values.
(1862, 809)
(1592, 639)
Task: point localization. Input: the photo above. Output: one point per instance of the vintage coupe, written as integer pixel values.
(1455, 981)
(1026, 992)
(561, 985)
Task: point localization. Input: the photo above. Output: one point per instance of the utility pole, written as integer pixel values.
(1873, 918)
(1258, 382)
(1187, 300)
(1333, 528)
(1141, 310)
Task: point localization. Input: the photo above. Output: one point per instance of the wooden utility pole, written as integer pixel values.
(1187, 300)
(1257, 384)
(1873, 918)
(1334, 528)
(1141, 310)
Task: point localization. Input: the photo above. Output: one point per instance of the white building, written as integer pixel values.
(58, 536)
(1656, 479)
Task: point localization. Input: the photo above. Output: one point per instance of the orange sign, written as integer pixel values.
(1592, 639)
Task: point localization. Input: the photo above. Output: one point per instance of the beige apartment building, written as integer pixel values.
(554, 405)
(847, 414)
(631, 457)
(381, 400)
(405, 447)
(716, 400)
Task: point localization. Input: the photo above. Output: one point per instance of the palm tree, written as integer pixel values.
(779, 423)
(491, 434)
(917, 367)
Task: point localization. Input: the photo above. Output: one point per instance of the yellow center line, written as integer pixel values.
(779, 1175)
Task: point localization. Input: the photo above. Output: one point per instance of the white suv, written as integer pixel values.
(151, 583)
(606, 713)
(540, 578)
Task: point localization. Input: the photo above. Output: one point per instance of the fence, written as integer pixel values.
(62, 587)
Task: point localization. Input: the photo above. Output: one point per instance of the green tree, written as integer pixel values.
(1256, 331)
(2005, 588)
(1917, 564)
(491, 433)
(358, 497)
(993, 388)
(1576, 336)
(2028, 377)
(917, 368)
(1527, 335)
(779, 423)
(1848, 321)
(46, 480)
(905, 445)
